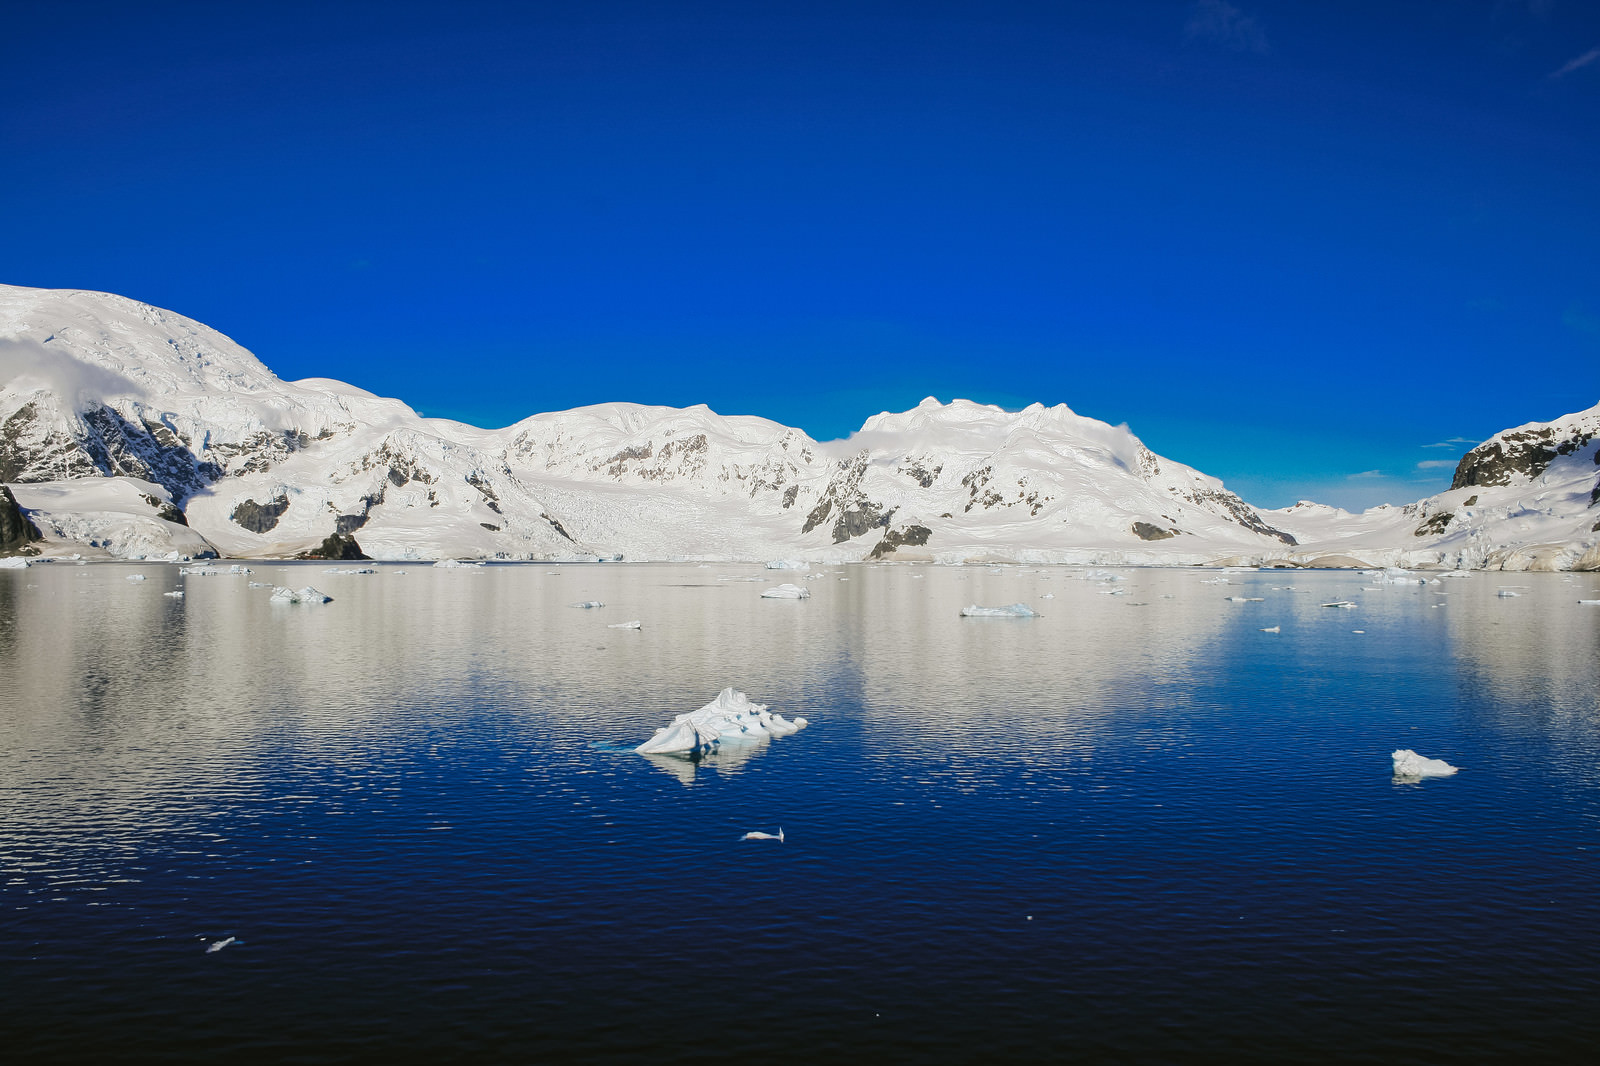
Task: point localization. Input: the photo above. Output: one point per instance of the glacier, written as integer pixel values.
(730, 718)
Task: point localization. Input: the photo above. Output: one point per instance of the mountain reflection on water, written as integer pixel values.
(1136, 826)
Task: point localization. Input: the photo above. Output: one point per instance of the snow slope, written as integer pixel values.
(98, 390)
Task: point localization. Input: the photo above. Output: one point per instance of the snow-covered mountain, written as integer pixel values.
(136, 431)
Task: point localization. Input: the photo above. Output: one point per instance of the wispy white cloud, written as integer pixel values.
(1576, 64)
(1366, 474)
(1435, 464)
(1221, 23)
(1453, 442)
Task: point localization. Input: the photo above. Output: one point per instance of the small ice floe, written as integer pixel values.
(1396, 576)
(135, 577)
(174, 595)
(456, 564)
(350, 570)
(787, 592)
(788, 564)
(1216, 581)
(729, 719)
(1010, 610)
(199, 571)
(260, 584)
(1272, 629)
(1590, 603)
(1508, 594)
(758, 835)
(1113, 592)
(588, 604)
(15, 562)
(1359, 632)
(1408, 763)
(1047, 596)
(282, 594)
(237, 569)
(1456, 573)
(623, 625)
(1339, 603)
(217, 945)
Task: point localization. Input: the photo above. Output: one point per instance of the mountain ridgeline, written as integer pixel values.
(207, 446)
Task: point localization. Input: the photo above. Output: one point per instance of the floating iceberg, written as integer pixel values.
(588, 604)
(350, 570)
(788, 564)
(758, 835)
(1339, 603)
(786, 592)
(623, 625)
(1508, 594)
(16, 562)
(1590, 603)
(308, 594)
(261, 584)
(1011, 610)
(174, 595)
(454, 564)
(135, 577)
(729, 719)
(218, 945)
(237, 569)
(1408, 763)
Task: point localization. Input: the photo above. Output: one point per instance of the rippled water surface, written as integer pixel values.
(1135, 828)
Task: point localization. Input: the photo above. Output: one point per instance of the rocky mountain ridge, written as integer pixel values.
(210, 451)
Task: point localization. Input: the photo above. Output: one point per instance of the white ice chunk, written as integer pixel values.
(454, 564)
(135, 577)
(1408, 763)
(218, 945)
(305, 595)
(1273, 629)
(1590, 603)
(1339, 603)
(788, 564)
(787, 592)
(16, 562)
(623, 625)
(1508, 594)
(588, 604)
(1010, 610)
(758, 835)
(174, 595)
(730, 718)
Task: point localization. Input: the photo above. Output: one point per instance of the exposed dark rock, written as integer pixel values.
(119, 448)
(789, 496)
(349, 523)
(337, 546)
(819, 514)
(1149, 531)
(481, 483)
(1231, 506)
(914, 535)
(16, 531)
(260, 517)
(490, 528)
(863, 518)
(1525, 453)
(556, 526)
(1435, 525)
(1594, 497)
(1470, 501)
(921, 474)
(398, 478)
(164, 510)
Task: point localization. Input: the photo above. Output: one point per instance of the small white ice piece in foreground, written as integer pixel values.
(1339, 603)
(623, 625)
(757, 835)
(305, 595)
(788, 564)
(16, 562)
(218, 945)
(587, 604)
(1272, 629)
(1010, 610)
(1590, 603)
(787, 592)
(1508, 594)
(135, 577)
(1408, 763)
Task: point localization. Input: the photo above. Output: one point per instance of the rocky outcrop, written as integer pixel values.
(895, 538)
(1150, 531)
(260, 517)
(16, 532)
(1525, 453)
(337, 546)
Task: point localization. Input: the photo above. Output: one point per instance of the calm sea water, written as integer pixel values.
(1135, 828)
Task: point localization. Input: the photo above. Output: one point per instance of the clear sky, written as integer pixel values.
(1309, 248)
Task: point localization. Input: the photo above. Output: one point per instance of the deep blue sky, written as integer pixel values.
(1290, 244)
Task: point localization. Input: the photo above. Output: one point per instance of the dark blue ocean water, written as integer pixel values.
(1135, 828)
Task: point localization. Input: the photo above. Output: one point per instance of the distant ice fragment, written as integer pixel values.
(261, 584)
(1590, 603)
(623, 625)
(729, 719)
(217, 945)
(588, 604)
(1508, 594)
(1339, 603)
(308, 594)
(135, 577)
(786, 592)
(174, 595)
(1272, 629)
(455, 564)
(788, 564)
(1408, 763)
(1010, 610)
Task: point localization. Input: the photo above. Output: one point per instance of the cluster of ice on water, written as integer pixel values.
(730, 718)
(1395, 576)
(788, 564)
(786, 592)
(347, 570)
(454, 564)
(15, 562)
(589, 604)
(1010, 610)
(1408, 763)
(282, 594)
